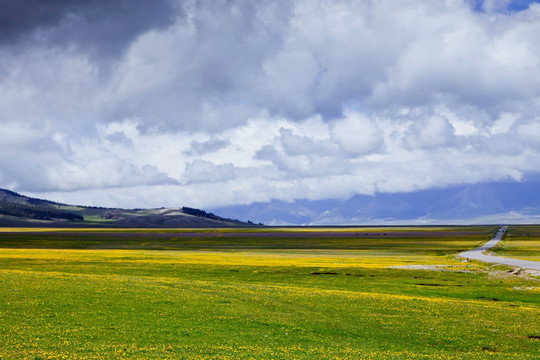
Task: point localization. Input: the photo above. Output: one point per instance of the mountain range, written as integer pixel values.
(511, 202)
(486, 203)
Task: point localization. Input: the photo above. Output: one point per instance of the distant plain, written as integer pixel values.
(282, 293)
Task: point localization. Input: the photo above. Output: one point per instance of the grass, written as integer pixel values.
(229, 300)
(521, 242)
(442, 240)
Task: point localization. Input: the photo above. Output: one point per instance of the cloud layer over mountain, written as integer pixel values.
(207, 104)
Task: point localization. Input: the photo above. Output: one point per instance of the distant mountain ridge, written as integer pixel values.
(517, 202)
(480, 203)
(20, 210)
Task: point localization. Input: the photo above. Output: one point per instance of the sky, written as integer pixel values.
(131, 103)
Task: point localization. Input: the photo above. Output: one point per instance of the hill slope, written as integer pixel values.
(19, 210)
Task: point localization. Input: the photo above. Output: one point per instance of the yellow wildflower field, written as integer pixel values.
(403, 299)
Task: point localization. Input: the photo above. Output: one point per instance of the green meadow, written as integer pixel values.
(521, 242)
(336, 293)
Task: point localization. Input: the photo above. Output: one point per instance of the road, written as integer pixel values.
(478, 254)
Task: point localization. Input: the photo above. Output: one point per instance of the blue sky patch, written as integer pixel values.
(513, 6)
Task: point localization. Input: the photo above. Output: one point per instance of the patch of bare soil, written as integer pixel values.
(524, 273)
(453, 268)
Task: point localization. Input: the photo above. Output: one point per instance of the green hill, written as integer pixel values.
(20, 210)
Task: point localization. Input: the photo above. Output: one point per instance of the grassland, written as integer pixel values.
(356, 293)
(521, 242)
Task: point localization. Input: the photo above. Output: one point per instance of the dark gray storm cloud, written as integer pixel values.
(103, 26)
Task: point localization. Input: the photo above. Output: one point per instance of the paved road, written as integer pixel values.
(478, 254)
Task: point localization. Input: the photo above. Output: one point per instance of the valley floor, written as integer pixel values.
(159, 296)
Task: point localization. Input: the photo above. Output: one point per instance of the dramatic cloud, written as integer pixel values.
(431, 132)
(202, 171)
(102, 26)
(209, 146)
(357, 134)
(169, 102)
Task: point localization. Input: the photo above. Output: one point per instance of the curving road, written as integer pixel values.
(478, 254)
